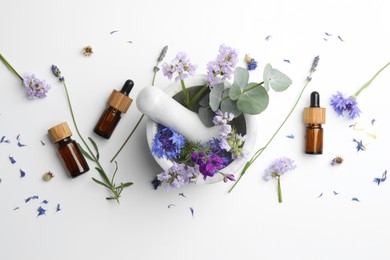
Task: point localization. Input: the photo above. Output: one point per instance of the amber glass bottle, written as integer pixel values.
(118, 103)
(68, 150)
(314, 117)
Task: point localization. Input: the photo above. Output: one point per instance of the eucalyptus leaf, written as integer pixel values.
(241, 78)
(275, 79)
(206, 115)
(254, 101)
(216, 96)
(228, 105)
(205, 101)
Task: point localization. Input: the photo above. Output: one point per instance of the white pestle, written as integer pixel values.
(163, 109)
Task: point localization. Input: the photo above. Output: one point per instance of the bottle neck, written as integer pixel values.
(65, 141)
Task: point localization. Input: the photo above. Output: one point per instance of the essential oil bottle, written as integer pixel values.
(68, 150)
(314, 117)
(118, 102)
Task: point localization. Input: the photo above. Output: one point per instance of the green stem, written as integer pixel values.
(8, 65)
(92, 155)
(261, 150)
(197, 95)
(279, 191)
(185, 92)
(370, 81)
(128, 138)
(254, 86)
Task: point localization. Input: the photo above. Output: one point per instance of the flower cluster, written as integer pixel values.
(223, 66)
(178, 175)
(35, 87)
(167, 143)
(228, 138)
(180, 65)
(208, 164)
(278, 168)
(342, 104)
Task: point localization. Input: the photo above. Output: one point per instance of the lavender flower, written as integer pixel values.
(167, 143)
(278, 168)
(35, 88)
(178, 175)
(56, 71)
(343, 104)
(181, 66)
(223, 66)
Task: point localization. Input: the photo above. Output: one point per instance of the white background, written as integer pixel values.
(248, 223)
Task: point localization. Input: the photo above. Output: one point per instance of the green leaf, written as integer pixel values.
(228, 105)
(126, 184)
(254, 101)
(99, 182)
(205, 101)
(216, 96)
(94, 146)
(86, 154)
(275, 79)
(241, 78)
(206, 115)
(103, 175)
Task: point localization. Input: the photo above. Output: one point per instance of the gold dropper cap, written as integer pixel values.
(59, 132)
(119, 101)
(314, 114)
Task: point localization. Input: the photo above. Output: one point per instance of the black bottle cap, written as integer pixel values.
(127, 87)
(315, 99)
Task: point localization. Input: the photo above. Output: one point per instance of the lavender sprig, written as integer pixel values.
(116, 190)
(261, 150)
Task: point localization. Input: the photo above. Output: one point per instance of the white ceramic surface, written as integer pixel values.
(234, 167)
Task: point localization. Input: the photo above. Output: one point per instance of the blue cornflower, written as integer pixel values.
(359, 145)
(250, 62)
(278, 168)
(379, 180)
(348, 104)
(167, 143)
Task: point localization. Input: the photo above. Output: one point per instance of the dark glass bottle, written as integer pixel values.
(68, 150)
(314, 117)
(118, 103)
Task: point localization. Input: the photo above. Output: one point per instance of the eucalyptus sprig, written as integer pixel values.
(116, 190)
(262, 149)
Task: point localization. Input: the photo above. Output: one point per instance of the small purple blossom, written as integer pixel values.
(167, 143)
(11, 159)
(278, 168)
(35, 88)
(382, 179)
(41, 211)
(22, 173)
(180, 65)
(178, 175)
(342, 104)
(228, 177)
(223, 66)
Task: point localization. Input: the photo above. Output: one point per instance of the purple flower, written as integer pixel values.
(228, 177)
(56, 71)
(180, 65)
(279, 167)
(167, 143)
(178, 175)
(223, 66)
(208, 165)
(35, 88)
(359, 145)
(348, 104)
